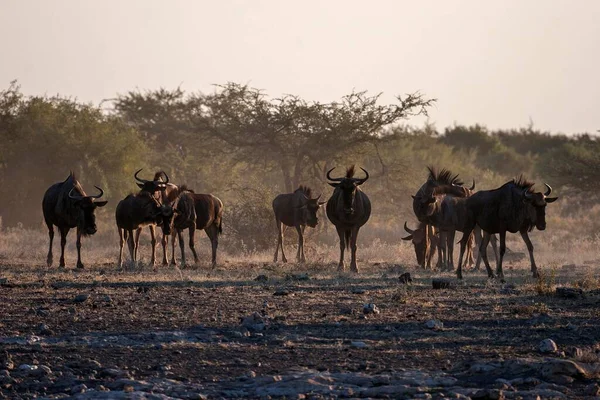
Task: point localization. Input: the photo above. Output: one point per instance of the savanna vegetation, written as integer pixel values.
(245, 146)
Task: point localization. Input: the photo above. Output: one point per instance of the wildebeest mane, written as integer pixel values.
(444, 177)
(523, 183)
(350, 171)
(306, 190)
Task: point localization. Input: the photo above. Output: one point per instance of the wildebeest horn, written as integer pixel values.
(138, 179)
(333, 179)
(548, 191)
(78, 197)
(472, 186)
(407, 229)
(98, 195)
(527, 194)
(363, 180)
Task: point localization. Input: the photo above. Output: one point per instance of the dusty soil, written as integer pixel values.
(102, 333)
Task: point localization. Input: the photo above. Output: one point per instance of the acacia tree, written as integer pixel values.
(292, 134)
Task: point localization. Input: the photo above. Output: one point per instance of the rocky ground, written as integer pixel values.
(277, 332)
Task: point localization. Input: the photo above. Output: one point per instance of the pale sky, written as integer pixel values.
(494, 62)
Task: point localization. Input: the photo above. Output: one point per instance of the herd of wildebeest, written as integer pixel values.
(442, 205)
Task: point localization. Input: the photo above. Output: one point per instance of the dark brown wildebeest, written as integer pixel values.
(513, 207)
(66, 205)
(165, 193)
(348, 209)
(425, 240)
(136, 211)
(197, 211)
(296, 209)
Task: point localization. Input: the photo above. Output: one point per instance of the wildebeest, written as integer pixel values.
(66, 205)
(296, 209)
(348, 209)
(136, 211)
(513, 207)
(441, 202)
(165, 193)
(425, 240)
(197, 211)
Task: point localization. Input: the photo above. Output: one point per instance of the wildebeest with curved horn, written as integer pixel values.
(513, 207)
(348, 209)
(296, 209)
(197, 211)
(425, 240)
(441, 202)
(66, 205)
(165, 193)
(136, 211)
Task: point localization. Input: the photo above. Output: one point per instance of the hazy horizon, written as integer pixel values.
(497, 63)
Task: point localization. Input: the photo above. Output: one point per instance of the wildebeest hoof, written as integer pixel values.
(80, 265)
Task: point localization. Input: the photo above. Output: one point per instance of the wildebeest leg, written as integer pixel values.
(441, 263)
(499, 272)
(153, 244)
(78, 244)
(478, 239)
(63, 241)
(342, 236)
(131, 244)
(483, 251)
(450, 241)
(300, 252)
(527, 241)
(495, 247)
(463, 245)
(181, 246)
(137, 241)
(51, 234)
(165, 241)
(213, 233)
(121, 243)
(280, 232)
(192, 235)
(173, 238)
(353, 238)
(469, 260)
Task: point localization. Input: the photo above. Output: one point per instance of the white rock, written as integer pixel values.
(548, 346)
(359, 345)
(370, 308)
(434, 324)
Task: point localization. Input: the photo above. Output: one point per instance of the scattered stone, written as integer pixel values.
(356, 290)
(548, 346)
(370, 308)
(298, 277)
(143, 289)
(405, 278)
(434, 324)
(592, 390)
(106, 299)
(81, 388)
(81, 298)
(261, 278)
(281, 292)
(440, 283)
(43, 329)
(569, 293)
(358, 344)
(346, 311)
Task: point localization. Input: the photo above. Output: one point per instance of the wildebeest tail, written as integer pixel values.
(220, 227)
(347, 235)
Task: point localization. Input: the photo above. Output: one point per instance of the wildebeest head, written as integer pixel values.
(310, 207)
(419, 240)
(348, 185)
(86, 206)
(439, 182)
(152, 186)
(164, 214)
(537, 202)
